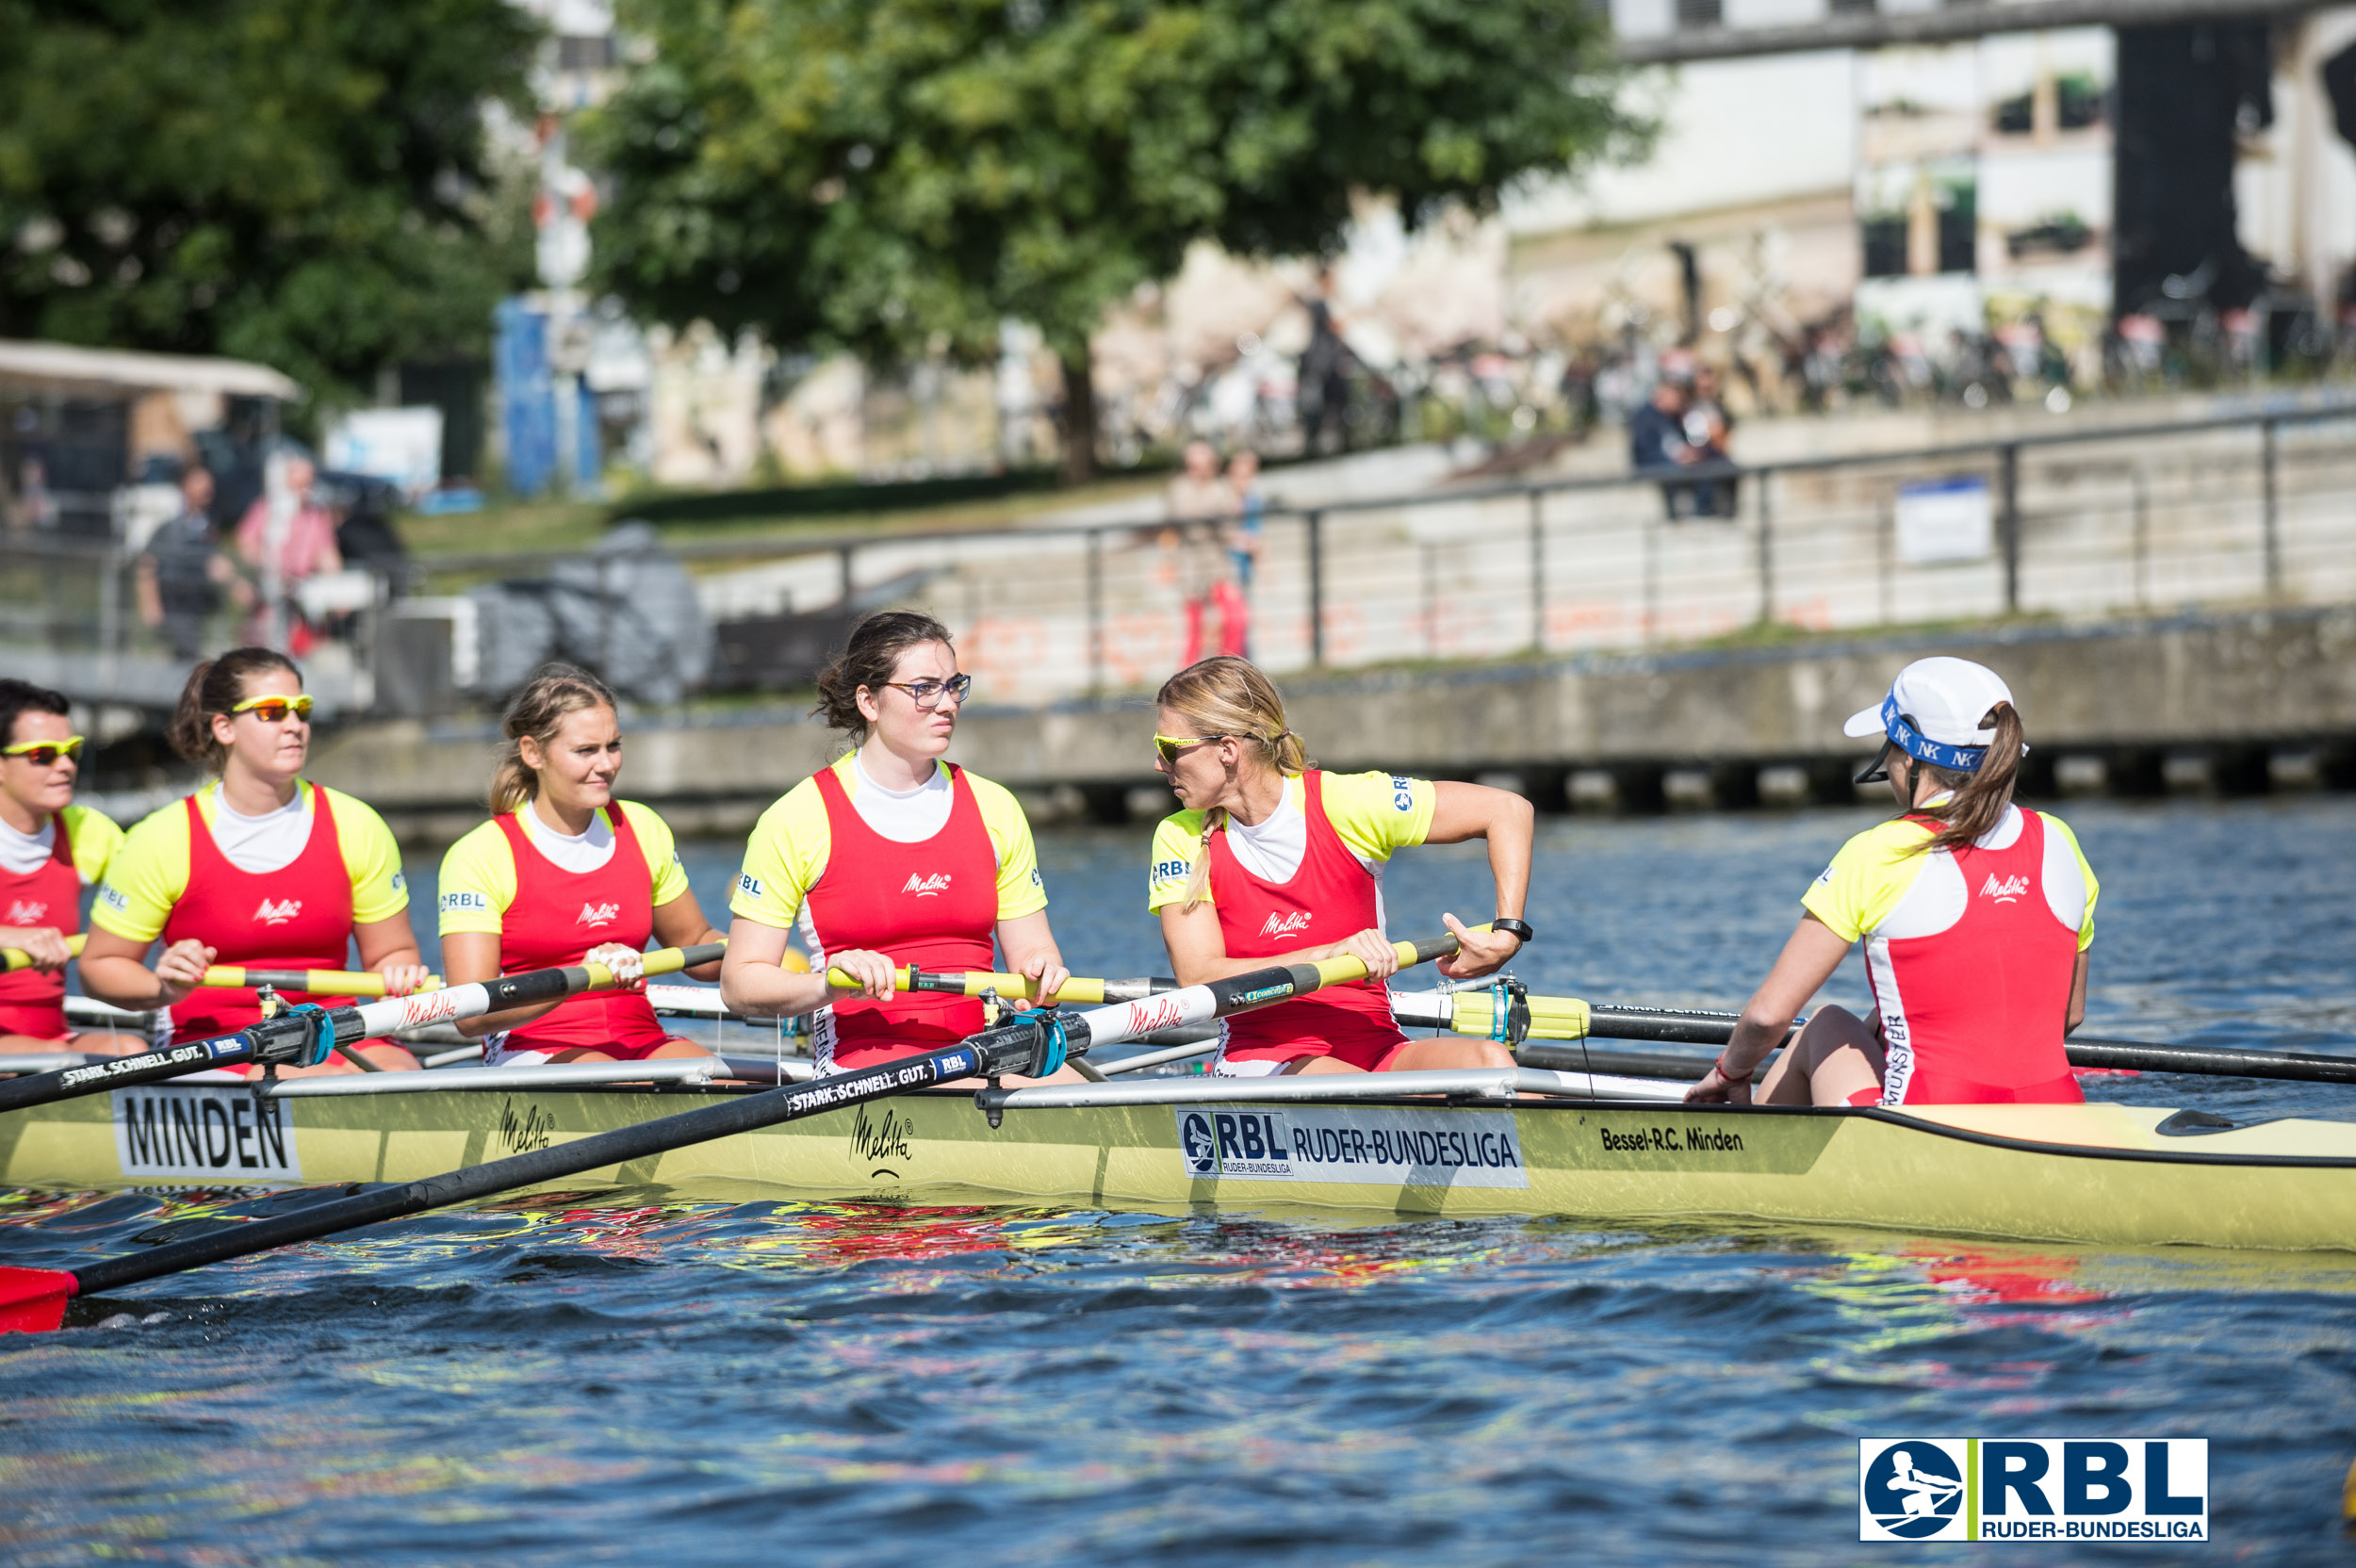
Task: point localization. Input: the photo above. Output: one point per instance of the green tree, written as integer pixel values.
(899, 177)
(300, 181)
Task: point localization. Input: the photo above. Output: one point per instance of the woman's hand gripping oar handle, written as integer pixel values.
(1056, 1035)
(14, 958)
(976, 983)
(312, 982)
(304, 1036)
(35, 1298)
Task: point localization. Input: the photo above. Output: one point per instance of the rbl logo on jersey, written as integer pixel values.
(453, 903)
(599, 914)
(24, 913)
(926, 887)
(278, 913)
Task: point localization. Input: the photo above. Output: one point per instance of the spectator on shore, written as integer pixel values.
(1200, 505)
(287, 538)
(1248, 506)
(1323, 389)
(182, 574)
(1707, 430)
(1657, 445)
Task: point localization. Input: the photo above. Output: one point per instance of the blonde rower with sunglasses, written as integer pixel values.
(50, 850)
(257, 868)
(1274, 860)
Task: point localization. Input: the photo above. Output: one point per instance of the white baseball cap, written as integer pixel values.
(1933, 712)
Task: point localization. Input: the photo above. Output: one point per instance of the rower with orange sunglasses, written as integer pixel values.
(50, 850)
(257, 868)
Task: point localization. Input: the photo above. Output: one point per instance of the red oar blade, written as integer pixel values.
(32, 1301)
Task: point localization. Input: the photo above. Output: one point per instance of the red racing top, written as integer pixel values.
(556, 917)
(31, 1003)
(1975, 1013)
(933, 904)
(298, 917)
(1331, 896)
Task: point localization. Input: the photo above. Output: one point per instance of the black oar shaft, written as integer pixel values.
(740, 1114)
(2145, 1056)
(1694, 1027)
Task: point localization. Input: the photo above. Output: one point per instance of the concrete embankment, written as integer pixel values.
(2232, 703)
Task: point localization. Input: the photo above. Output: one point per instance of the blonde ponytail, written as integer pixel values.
(1231, 698)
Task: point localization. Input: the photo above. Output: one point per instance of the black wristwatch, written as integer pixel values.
(1512, 927)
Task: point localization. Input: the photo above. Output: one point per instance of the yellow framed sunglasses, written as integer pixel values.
(43, 754)
(275, 710)
(1173, 746)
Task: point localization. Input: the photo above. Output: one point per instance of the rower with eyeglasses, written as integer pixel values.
(890, 857)
(1274, 860)
(50, 850)
(259, 868)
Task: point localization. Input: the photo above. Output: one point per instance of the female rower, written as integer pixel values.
(50, 850)
(564, 873)
(1273, 861)
(259, 868)
(1976, 917)
(888, 857)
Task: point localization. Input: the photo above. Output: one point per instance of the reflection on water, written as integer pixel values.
(561, 1379)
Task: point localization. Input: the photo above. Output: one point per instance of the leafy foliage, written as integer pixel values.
(898, 176)
(300, 181)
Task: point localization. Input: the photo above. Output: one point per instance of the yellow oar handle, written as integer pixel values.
(307, 982)
(344, 982)
(1342, 971)
(1551, 1018)
(663, 960)
(1084, 989)
(14, 958)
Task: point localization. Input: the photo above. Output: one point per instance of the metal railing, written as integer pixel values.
(2234, 509)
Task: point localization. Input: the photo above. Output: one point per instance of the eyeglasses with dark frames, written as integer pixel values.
(927, 694)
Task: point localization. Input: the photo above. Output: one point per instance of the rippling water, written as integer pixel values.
(538, 1382)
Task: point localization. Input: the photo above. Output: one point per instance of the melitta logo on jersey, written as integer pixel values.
(2033, 1488)
(22, 913)
(2006, 891)
(278, 913)
(599, 914)
(1285, 925)
(925, 887)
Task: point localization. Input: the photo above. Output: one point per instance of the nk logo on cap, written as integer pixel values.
(2033, 1488)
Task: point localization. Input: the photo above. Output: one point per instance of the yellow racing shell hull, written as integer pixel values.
(2093, 1173)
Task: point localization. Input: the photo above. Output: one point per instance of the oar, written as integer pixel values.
(1033, 1043)
(315, 982)
(975, 983)
(304, 1036)
(14, 958)
(1688, 1026)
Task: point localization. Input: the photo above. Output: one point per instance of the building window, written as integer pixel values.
(1700, 13)
(1855, 8)
(574, 52)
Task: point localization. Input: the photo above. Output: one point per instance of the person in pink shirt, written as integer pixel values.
(281, 544)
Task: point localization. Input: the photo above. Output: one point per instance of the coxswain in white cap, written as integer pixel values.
(1976, 915)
